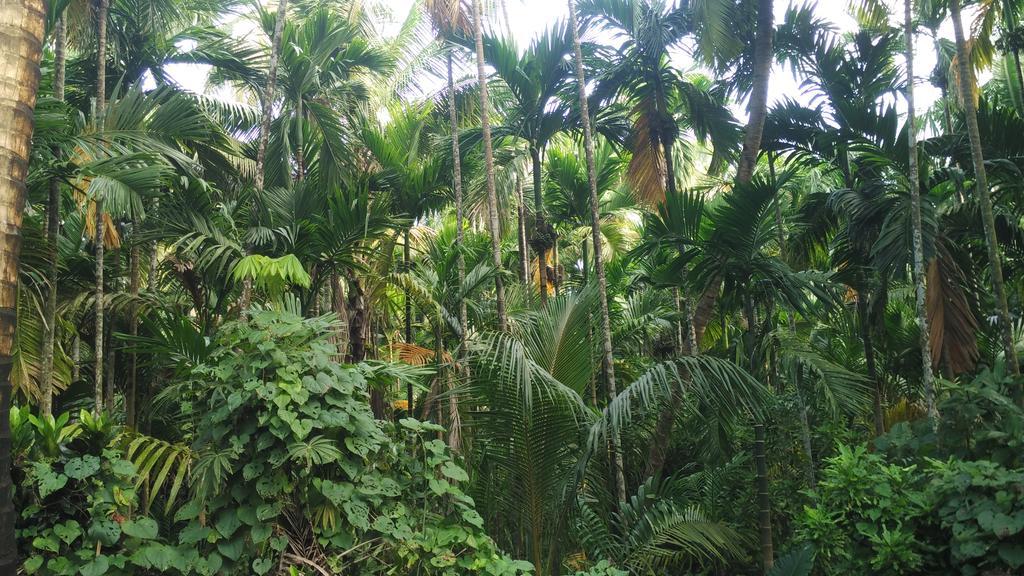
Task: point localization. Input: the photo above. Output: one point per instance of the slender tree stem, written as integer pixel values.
(913, 180)
(608, 357)
(453, 118)
(965, 81)
(52, 236)
(492, 194)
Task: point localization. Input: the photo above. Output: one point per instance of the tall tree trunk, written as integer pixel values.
(540, 225)
(763, 57)
(99, 308)
(607, 357)
(524, 250)
(460, 215)
(101, 103)
(966, 84)
(869, 359)
(492, 194)
(407, 266)
(102, 12)
(52, 235)
(913, 179)
(764, 510)
(134, 285)
(21, 27)
(267, 110)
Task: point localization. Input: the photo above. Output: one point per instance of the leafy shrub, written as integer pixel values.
(292, 465)
(871, 517)
(983, 510)
(76, 494)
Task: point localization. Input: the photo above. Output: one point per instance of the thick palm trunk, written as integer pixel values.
(266, 113)
(492, 194)
(607, 356)
(966, 83)
(540, 230)
(759, 93)
(763, 56)
(913, 180)
(453, 117)
(52, 236)
(21, 30)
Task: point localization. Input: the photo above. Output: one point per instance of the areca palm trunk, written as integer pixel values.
(21, 28)
(134, 285)
(101, 100)
(407, 267)
(915, 208)
(763, 55)
(764, 511)
(524, 251)
(607, 356)
(759, 92)
(52, 235)
(266, 113)
(965, 83)
(453, 117)
(540, 225)
(492, 194)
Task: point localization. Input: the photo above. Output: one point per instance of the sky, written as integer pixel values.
(528, 18)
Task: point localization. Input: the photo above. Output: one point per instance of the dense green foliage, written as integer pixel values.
(305, 318)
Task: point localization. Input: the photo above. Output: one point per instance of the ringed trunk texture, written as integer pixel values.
(920, 277)
(759, 92)
(21, 46)
(764, 509)
(540, 225)
(99, 306)
(492, 194)
(101, 103)
(965, 83)
(607, 356)
(407, 265)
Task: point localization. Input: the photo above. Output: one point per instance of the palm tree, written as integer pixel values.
(607, 358)
(450, 20)
(266, 116)
(965, 83)
(492, 194)
(53, 234)
(913, 179)
(414, 178)
(100, 227)
(22, 23)
(662, 101)
(534, 113)
(758, 107)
